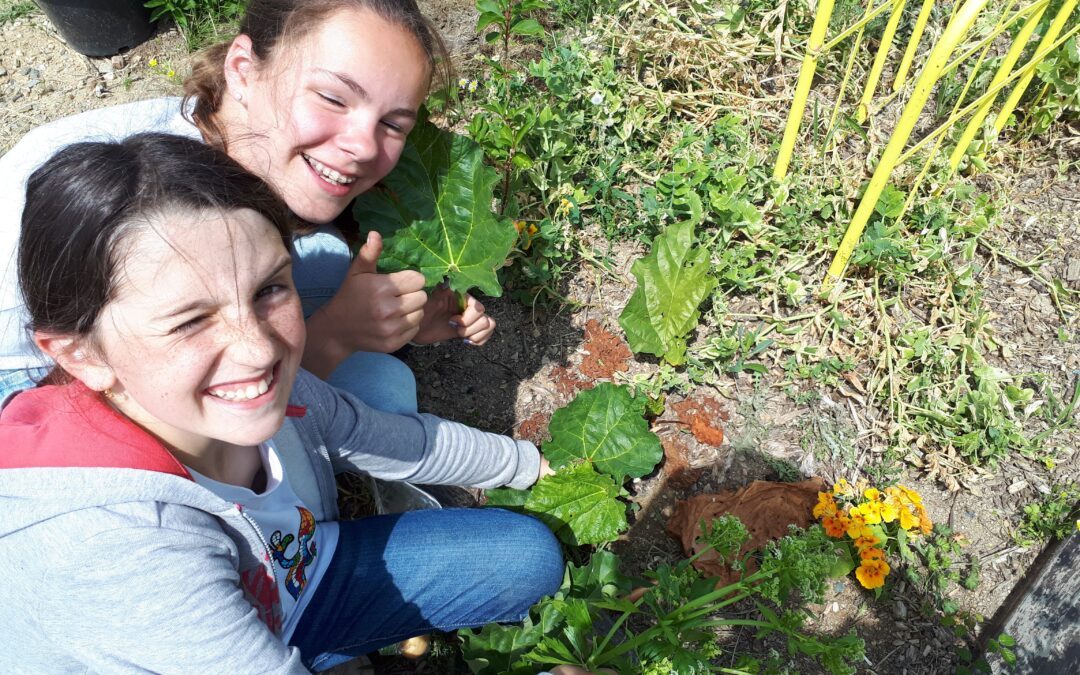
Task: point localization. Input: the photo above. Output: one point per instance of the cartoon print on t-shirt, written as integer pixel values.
(303, 556)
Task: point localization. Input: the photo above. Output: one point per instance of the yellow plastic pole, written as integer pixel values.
(924, 85)
(1002, 74)
(1023, 71)
(1051, 33)
(913, 45)
(863, 109)
(802, 87)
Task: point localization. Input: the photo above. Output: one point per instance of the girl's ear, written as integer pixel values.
(239, 69)
(77, 359)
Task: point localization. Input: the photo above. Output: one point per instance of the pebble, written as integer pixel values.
(3, 72)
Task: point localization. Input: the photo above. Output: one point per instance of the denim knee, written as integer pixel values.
(538, 562)
(382, 381)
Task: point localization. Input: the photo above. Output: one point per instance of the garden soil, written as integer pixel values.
(718, 438)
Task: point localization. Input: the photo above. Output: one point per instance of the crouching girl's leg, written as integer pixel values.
(397, 576)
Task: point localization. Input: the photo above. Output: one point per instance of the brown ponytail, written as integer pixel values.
(203, 91)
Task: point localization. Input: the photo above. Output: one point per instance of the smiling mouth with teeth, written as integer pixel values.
(244, 393)
(328, 174)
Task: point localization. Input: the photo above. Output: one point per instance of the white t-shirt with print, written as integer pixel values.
(301, 548)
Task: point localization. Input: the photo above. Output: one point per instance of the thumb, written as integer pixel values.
(368, 255)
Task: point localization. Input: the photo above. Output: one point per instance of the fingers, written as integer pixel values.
(474, 325)
(367, 257)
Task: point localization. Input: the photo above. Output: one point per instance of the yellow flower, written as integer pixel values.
(841, 488)
(835, 525)
(915, 497)
(872, 494)
(872, 573)
(472, 86)
(889, 512)
(870, 511)
(171, 73)
(826, 505)
(908, 519)
(153, 63)
(856, 525)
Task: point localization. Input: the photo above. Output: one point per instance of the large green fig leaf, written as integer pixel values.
(434, 212)
(605, 426)
(579, 505)
(672, 282)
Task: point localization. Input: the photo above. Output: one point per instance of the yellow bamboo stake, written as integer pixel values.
(913, 44)
(802, 87)
(863, 110)
(1024, 71)
(924, 85)
(1051, 33)
(1002, 74)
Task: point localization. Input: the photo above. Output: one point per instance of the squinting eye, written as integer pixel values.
(272, 289)
(187, 326)
(331, 100)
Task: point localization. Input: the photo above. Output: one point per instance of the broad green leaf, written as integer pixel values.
(499, 649)
(605, 426)
(434, 212)
(579, 505)
(507, 498)
(673, 280)
(527, 27)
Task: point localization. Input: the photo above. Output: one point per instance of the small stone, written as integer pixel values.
(3, 72)
(33, 73)
(117, 61)
(1017, 486)
(900, 610)
(1072, 269)
(46, 89)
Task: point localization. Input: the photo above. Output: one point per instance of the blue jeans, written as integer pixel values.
(393, 577)
(14, 381)
(320, 262)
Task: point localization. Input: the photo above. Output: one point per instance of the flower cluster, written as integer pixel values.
(526, 233)
(872, 523)
(465, 84)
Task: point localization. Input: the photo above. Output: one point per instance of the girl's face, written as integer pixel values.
(327, 116)
(205, 334)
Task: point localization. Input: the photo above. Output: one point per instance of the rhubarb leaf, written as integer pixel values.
(434, 212)
(579, 505)
(605, 426)
(673, 280)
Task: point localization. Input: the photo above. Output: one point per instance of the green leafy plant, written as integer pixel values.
(668, 626)
(1052, 517)
(673, 280)
(434, 211)
(200, 21)
(15, 10)
(597, 442)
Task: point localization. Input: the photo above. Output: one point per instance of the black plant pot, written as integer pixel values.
(99, 27)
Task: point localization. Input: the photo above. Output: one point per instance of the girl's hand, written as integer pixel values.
(442, 321)
(371, 312)
(545, 467)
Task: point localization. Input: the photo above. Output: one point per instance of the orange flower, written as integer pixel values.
(871, 554)
(872, 573)
(826, 505)
(835, 525)
(866, 540)
(925, 524)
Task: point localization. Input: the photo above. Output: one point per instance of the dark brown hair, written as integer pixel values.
(83, 203)
(269, 23)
